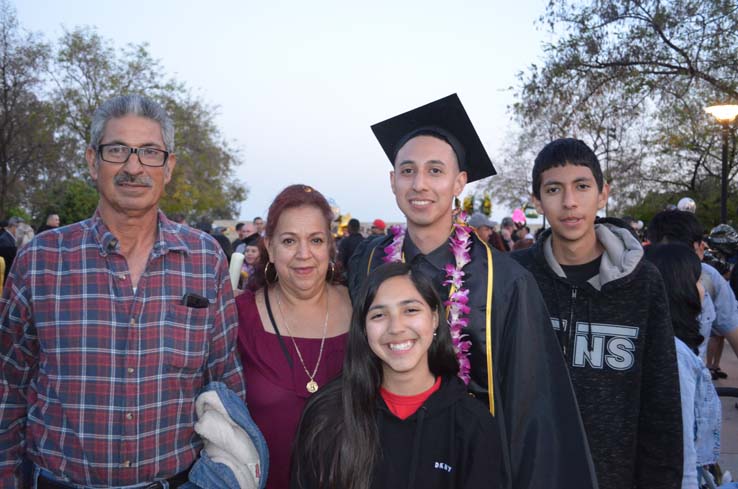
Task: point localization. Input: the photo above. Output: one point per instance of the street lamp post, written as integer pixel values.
(609, 134)
(725, 114)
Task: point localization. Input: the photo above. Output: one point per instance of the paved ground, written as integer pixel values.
(729, 436)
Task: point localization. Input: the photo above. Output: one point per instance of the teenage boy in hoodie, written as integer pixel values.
(609, 312)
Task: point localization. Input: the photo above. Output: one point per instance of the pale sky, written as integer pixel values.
(299, 83)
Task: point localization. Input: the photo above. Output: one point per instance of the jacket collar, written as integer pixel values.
(622, 254)
(168, 238)
(439, 258)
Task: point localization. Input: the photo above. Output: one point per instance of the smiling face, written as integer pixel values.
(300, 249)
(130, 189)
(251, 255)
(425, 181)
(399, 329)
(570, 200)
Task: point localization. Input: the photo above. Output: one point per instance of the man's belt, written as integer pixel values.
(45, 482)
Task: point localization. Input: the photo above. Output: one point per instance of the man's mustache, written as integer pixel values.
(125, 178)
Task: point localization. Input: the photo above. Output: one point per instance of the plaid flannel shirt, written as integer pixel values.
(98, 380)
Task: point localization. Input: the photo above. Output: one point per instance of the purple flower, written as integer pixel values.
(393, 251)
(457, 304)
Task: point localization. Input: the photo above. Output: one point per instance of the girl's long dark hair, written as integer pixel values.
(680, 268)
(337, 442)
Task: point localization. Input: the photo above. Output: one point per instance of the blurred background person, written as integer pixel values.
(259, 225)
(23, 234)
(482, 225)
(719, 309)
(348, 244)
(378, 227)
(246, 234)
(525, 242)
(507, 229)
(8, 245)
(219, 234)
(292, 329)
(252, 250)
(179, 218)
(52, 222)
(701, 410)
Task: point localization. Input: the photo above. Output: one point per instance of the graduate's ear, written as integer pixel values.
(392, 181)
(460, 183)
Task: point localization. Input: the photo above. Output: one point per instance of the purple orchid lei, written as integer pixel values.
(457, 308)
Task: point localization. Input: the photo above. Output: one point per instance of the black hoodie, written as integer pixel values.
(621, 359)
(450, 442)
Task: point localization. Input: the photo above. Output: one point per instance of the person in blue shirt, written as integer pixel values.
(677, 226)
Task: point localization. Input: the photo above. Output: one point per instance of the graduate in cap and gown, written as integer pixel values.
(508, 355)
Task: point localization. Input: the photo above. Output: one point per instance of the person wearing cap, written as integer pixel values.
(507, 230)
(482, 225)
(378, 227)
(111, 326)
(508, 355)
(610, 313)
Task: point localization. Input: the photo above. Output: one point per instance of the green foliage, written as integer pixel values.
(17, 212)
(643, 70)
(77, 201)
(708, 206)
(49, 93)
(26, 136)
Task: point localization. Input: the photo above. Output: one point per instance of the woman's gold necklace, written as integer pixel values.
(311, 386)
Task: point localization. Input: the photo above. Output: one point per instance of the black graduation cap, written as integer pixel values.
(446, 118)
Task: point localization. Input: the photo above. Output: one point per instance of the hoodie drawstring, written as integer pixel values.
(560, 332)
(590, 338)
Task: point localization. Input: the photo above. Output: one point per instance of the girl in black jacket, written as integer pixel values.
(399, 417)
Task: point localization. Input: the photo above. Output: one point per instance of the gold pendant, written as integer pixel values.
(312, 386)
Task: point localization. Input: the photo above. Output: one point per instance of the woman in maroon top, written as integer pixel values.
(292, 326)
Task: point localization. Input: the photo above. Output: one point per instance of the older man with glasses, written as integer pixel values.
(110, 327)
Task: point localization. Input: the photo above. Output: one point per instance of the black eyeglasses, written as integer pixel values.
(119, 153)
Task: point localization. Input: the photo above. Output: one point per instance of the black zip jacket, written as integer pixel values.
(544, 444)
(450, 442)
(618, 342)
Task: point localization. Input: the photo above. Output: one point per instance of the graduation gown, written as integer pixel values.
(543, 441)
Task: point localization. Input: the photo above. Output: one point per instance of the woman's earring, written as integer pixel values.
(331, 273)
(266, 273)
